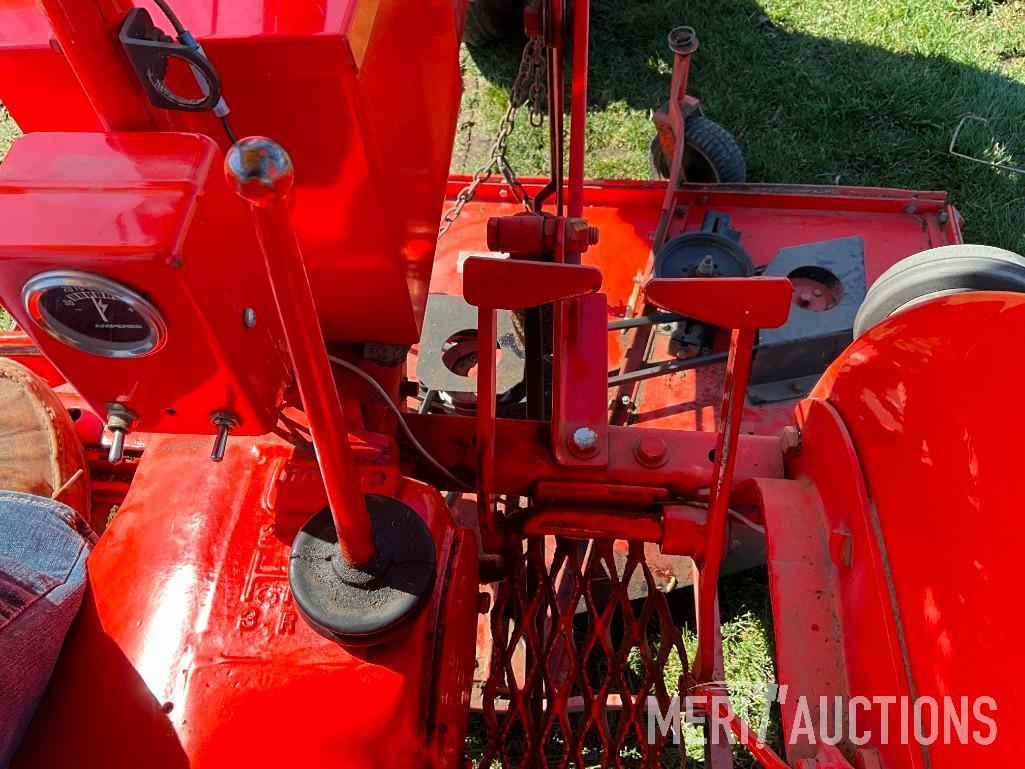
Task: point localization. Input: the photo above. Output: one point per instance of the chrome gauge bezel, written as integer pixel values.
(32, 294)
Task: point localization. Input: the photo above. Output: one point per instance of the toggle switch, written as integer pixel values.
(225, 422)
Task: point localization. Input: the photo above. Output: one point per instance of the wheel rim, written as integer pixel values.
(698, 168)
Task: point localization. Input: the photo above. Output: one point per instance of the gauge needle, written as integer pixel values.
(101, 308)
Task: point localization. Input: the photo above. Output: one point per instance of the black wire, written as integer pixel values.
(180, 29)
(227, 129)
(171, 16)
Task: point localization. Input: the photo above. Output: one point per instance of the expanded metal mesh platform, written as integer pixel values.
(575, 660)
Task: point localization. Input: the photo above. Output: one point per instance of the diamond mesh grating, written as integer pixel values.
(575, 661)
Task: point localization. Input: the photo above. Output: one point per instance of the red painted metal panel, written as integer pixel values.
(151, 211)
(189, 651)
(942, 474)
(579, 392)
(835, 629)
(506, 284)
(741, 303)
(325, 90)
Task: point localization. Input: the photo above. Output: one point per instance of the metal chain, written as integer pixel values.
(530, 88)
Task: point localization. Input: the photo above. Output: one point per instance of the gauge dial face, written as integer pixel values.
(94, 314)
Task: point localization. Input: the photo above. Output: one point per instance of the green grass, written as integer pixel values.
(863, 92)
(8, 131)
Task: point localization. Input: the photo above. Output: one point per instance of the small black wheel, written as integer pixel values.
(488, 21)
(938, 272)
(710, 154)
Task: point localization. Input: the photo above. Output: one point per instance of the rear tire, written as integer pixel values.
(489, 21)
(710, 154)
(939, 272)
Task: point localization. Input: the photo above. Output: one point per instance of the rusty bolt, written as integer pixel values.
(651, 451)
(580, 235)
(790, 439)
(584, 442)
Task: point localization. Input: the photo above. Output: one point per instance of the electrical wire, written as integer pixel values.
(744, 520)
(185, 37)
(228, 130)
(402, 420)
(171, 16)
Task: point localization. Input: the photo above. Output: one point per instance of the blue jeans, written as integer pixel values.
(43, 547)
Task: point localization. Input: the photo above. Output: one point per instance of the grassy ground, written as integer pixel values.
(864, 92)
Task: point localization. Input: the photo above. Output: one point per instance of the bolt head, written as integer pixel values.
(651, 451)
(584, 441)
(249, 317)
(790, 440)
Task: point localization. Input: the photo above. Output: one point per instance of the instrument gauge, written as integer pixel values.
(94, 314)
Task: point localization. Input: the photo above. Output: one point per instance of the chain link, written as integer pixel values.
(530, 88)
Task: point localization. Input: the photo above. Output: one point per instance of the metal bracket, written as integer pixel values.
(150, 52)
(829, 287)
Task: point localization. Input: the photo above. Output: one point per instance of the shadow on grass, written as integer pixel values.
(809, 109)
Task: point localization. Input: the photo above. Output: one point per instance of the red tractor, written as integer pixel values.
(368, 479)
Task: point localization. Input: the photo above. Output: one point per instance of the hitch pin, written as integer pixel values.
(225, 422)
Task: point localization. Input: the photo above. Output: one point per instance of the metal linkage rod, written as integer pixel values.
(578, 106)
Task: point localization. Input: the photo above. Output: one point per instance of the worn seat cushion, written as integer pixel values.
(39, 449)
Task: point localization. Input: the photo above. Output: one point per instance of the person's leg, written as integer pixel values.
(43, 542)
(43, 547)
